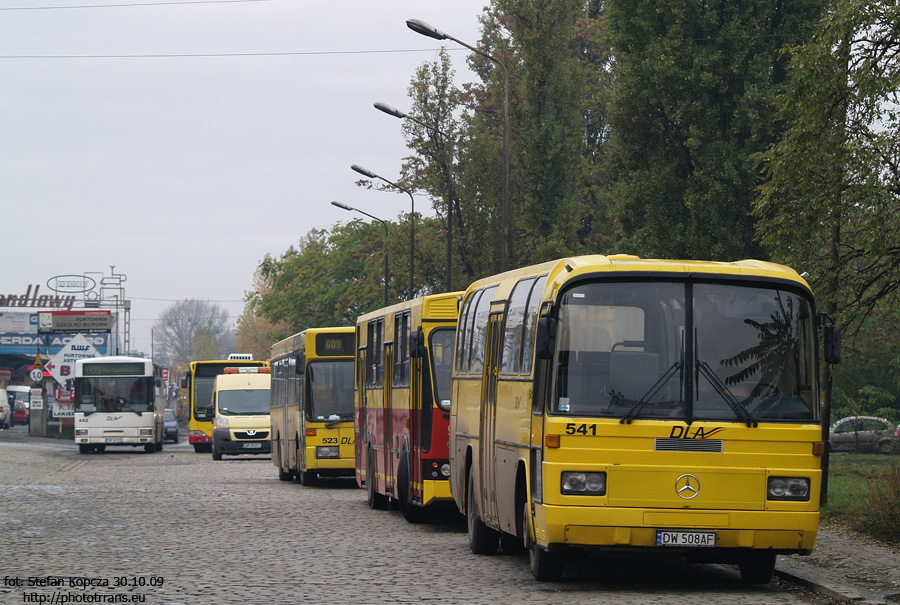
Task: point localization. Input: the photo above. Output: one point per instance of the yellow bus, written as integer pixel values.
(404, 355)
(616, 404)
(312, 405)
(198, 379)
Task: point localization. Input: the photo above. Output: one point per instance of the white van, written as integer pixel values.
(240, 401)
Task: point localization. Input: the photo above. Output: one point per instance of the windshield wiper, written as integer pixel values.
(726, 394)
(339, 419)
(637, 407)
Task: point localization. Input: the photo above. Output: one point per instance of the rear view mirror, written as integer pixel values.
(545, 338)
(417, 344)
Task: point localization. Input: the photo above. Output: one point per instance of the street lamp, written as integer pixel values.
(420, 27)
(412, 217)
(391, 111)
(386, 275)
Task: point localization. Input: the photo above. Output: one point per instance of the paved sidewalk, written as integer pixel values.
(847, 568)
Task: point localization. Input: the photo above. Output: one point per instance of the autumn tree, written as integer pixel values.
(178, 325)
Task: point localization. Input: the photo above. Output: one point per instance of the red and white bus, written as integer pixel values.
(404, 356)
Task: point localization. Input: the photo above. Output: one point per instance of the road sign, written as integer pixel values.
(37, 362)
(37, 375)
(62, 366)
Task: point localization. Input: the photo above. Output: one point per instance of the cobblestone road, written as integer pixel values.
(230, 532)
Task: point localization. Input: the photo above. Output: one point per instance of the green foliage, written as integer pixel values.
(863, 494)
(692, 102)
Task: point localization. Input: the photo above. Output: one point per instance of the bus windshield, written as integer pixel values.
(243, 402)
(684, 350)
(119, 394)
(330, 390)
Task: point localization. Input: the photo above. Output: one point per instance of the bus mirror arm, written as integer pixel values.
(545, 338)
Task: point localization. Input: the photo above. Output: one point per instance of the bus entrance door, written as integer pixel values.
(489, 418)
(386, 437)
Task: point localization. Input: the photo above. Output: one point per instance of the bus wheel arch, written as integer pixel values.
(517, 542)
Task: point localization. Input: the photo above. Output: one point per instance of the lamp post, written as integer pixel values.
(391, 111)
(420, 27)
(412, 218)
(384, 224)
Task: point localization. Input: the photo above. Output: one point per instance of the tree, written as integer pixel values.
(180, 322)
(693, 101)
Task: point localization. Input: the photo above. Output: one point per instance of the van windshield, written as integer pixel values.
(243, 402)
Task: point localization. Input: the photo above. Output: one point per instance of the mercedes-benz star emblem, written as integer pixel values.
(687, 486)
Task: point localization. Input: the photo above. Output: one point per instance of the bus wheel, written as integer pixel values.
(159, 446)
(308, 477)
(149, 447)
(84, 448)
(284, 475)
(482, 539)
(198, 448)
(545, 565)
(100, 448)
(376, 501)
(411, 512)
(216, 455)
(511, 545)
(757, 566)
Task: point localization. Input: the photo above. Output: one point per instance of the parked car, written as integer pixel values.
(6, 418)
(170, 426)
(864, 433)
(20, 412)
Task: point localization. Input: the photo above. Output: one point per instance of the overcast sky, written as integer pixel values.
(185, 171)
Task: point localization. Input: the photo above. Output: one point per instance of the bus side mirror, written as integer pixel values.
(832, 334)
(298, 364)
(545, 338)
(417, 344)
(184, 381)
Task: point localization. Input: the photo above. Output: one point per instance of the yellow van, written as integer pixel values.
(240, 401)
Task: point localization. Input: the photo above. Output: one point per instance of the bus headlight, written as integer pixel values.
(445, 469)
(788, 488)
(145, 432)
(328, 451)
(81, 432)
(222, 421)
(584, 484)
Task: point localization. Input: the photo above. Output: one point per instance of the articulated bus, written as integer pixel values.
(616, 404)
(119, 401)
(312, 405)
(404, 354)
(198, 379)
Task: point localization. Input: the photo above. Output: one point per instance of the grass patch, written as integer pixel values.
(864, 494)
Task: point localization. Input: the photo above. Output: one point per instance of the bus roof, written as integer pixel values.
(297, 342)
(434, 306)
(564, 269)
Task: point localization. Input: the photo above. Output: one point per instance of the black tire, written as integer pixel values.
(99, 448)
(84, 448)
(308, 478)
(175, 440)
(215, 454)
(411, 512)
(159, 446)
(546, 565)
(482, 539)
(376, 501)
(284, 475)
(198, 448)
(757, 567)
(511, 545)
(150, 448)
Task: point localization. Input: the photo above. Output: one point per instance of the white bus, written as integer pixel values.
(118, 401)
